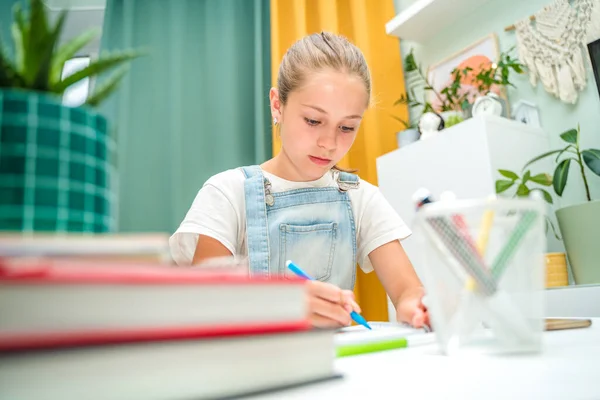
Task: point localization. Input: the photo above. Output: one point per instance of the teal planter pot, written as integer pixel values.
(580, 229)
(55, 166)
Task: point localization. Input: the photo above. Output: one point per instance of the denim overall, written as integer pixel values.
(313, 227)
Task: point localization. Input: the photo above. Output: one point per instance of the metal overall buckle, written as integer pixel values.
(269, 199)
(344, 186)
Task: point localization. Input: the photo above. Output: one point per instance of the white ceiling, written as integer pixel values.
(75, 4)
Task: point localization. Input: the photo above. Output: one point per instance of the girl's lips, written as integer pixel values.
(319, 161)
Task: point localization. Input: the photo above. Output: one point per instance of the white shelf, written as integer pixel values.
(423, 19)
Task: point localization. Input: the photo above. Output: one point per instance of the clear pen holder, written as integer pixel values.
(482, 265)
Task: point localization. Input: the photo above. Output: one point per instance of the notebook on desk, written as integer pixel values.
(381, 331)
(185, 363)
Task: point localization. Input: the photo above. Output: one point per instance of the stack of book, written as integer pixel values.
(81, 328)
(122, 247)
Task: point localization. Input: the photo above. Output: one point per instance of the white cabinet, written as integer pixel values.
(463, 159)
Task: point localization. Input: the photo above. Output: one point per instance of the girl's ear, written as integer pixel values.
(275, 105)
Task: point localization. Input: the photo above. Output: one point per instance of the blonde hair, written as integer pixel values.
(317, 52)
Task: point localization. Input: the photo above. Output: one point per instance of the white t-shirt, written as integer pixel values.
(219, 211)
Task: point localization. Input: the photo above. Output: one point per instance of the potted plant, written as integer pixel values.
(524, 188)
(528, 185)
(580, 223)
(408, 135)
(489, 76)
(415, 82)
(453, 102)
(56, 169)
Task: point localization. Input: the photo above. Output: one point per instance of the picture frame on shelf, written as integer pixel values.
(482, 52)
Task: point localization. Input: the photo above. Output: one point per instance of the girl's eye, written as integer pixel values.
(312, 122)
(347, 129)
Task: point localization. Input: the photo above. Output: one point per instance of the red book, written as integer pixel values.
(62, 296)
(62, 271)
(166, 364)
(54, 340)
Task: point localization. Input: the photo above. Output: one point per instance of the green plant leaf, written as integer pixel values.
(407, 100)
(509, 174)
(526, 177)
(108, 86)
(7, 73)
(551, 224)
(591, 157)
(9, 76)
(522, 190)
(38, 20)
(68, 51)
(20, 34)
(542, 179)
(95, 68)
(403, 122)
(503, 185)
(409, 62)
(547, 195)
(42, 79)
(561, 174)
(36, 47)
(570, 136)
(570, 148)
(404, 99)
(544, 155)
(17, 36)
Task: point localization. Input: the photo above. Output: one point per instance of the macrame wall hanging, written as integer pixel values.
(553, 45)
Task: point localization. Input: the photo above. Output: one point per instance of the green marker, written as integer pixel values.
(364, 348)
(516, 236)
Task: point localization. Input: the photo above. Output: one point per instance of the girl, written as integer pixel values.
(298, 205)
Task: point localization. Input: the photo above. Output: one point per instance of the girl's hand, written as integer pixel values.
(329, 306)
(410, 308)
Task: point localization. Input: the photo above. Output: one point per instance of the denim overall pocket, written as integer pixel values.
(311, 247)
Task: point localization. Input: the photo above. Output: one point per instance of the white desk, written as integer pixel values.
(569, 368)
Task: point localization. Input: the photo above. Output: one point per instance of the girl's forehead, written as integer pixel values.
(332, 77)
(325, 86)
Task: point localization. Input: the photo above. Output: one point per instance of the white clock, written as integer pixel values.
(490, 104)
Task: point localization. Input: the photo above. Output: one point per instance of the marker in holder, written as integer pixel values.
(482, 264)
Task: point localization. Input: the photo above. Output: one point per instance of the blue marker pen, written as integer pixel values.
(359, 319)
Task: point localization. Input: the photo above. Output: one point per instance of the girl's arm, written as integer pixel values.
(398, 277)
(208, 247)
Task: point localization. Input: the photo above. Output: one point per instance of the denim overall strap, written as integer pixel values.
(347, 181)
(256, 221)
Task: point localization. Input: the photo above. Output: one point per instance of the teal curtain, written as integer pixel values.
(6, 17)
(196, 105)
